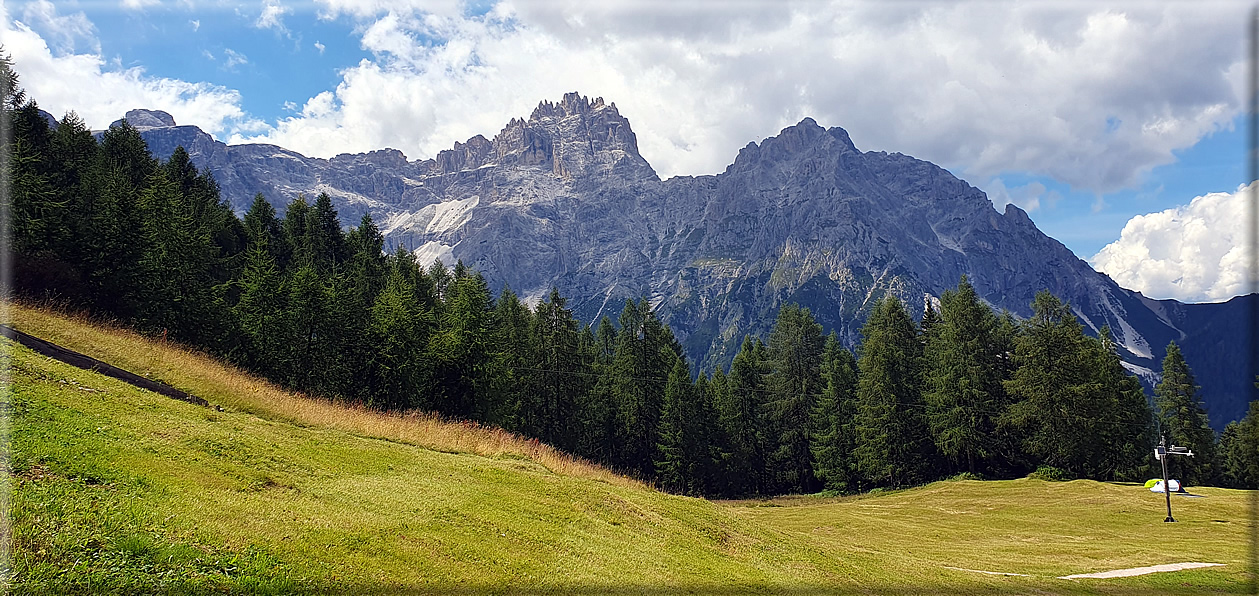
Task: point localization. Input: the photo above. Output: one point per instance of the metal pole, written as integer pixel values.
(1167, 487)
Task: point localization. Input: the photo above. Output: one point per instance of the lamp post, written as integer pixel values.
(1160, 453)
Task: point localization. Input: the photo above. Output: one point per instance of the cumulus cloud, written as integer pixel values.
(1091, 96)
(84, 83)
(1193, 253)
(320, 47)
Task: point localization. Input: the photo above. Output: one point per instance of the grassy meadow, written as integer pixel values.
(118, 490)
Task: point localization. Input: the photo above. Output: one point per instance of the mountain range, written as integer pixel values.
(564, 199)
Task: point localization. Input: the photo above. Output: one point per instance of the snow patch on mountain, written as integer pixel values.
(433, 251)
(1128, 337)
(1143, 373)
(449, 215)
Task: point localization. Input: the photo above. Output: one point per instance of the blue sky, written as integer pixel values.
(1104, 121)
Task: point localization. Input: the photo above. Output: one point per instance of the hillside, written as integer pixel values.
(120, 490)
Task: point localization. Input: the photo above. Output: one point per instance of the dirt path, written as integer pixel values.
(73, 358)
(1140, 570)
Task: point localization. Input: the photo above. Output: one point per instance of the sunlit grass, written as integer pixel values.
(119, 490)
(226, 386)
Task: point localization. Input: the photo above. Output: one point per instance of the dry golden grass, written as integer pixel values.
(227, 386)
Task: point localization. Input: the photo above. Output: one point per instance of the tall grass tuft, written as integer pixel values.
(225, 385)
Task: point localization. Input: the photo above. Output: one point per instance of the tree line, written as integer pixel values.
(102, 225)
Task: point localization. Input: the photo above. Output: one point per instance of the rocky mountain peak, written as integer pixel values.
(799, 140)
(385, 158)
(574, 138)
(573, 103)
(140, 118)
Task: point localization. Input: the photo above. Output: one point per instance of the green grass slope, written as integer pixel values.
(119, 490)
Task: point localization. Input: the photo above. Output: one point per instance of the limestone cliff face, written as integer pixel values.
(564, 199)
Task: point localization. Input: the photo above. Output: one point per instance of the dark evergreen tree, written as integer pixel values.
(401, 328)
(1183, 420)
(560, 371)
(1074, 405)
(511, 396)
(963, 377)
(176, 269)
(598, 405)
(306, 323)
(260, 315)
(793, 384)
(834, 440)
(327, 242)
(1129, 431)
(263, 228)
(111, 259)
(460, 349)
(893, 447)
(740, 417)
(300, 249)
(682, 455)
(1239, 451)
(644, 357)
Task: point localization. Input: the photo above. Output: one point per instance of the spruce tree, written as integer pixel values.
(833, 441)
(794, 382)
(963, 376)
(1239, 451)
(461, 347)
(598, 405)
(511, 396)
(893, 447)
(1073, 404)
(262, 227)
(682, 450)
(1183, 420)
(644, 358)
(260, 314)
(328, 245)
(299, 247)
(561, 375)
(1128, 428)
(741, 419)
(306, 323)
(401, 327)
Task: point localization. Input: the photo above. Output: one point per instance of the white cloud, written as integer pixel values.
(1028, 196)
(63, 32)
(139, 4)
(272, 16)
(1193, 253)
(1093, 97)
(320, 47)
(233, 58)
(196, 24)
(100, 94)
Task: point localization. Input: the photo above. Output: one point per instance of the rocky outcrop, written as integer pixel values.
(147, 119)
(564, 199)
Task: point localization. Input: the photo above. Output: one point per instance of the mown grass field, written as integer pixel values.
(118, 490)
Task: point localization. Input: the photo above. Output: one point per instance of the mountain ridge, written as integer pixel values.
(564, 199)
